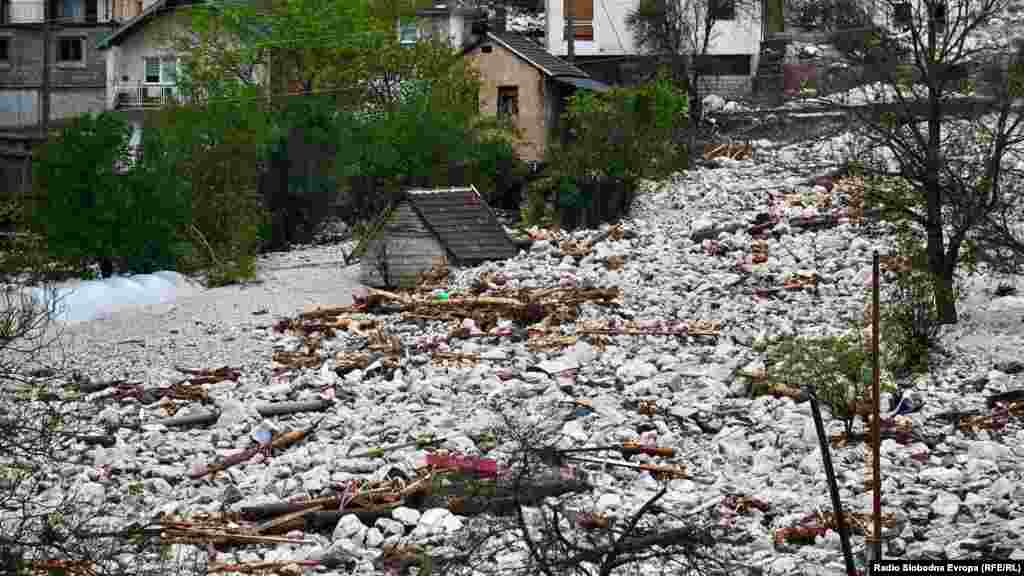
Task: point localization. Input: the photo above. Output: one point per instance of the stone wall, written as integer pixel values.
(728, 87)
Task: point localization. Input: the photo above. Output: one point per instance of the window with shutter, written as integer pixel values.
(152, 70)
(582, 12)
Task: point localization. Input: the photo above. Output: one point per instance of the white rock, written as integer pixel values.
(349, 527)
(713, 103)
(433, 518)
(940, 475)
(451, 523)
(634, 370)
(811, 463)
(608, 501)
(374, 538)
(946, 504)
(573, 430)
(390, 527)
(1002, 487)
(987, 451)
(765, 461)
(783, 565)
(407, 516)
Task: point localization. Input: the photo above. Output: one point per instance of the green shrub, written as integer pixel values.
(86, 210)
(910, 323)
(832, 366)
(212, 153)
(621, 136)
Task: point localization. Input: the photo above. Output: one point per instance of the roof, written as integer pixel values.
(536, 55)
(463, 223)
(133, 25)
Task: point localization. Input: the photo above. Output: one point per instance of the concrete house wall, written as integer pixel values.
(612, 37)
(77, 88)
(500, 68)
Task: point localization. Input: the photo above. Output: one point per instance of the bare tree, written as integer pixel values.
(682, 34)
(946, 124)
(51, 519)
(541, 518)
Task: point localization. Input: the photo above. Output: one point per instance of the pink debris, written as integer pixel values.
(484, 467)
(359, 295)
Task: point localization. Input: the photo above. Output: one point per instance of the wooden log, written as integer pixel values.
(198, 419)
(284, 408)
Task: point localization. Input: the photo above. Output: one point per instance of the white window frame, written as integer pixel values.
(167, 67)
(408, 34)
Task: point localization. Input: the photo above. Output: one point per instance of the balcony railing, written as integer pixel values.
(146, 95)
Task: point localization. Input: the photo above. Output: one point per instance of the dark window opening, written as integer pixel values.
(902, 15)
(724, 64)
(938, 11)
(71, 50)
(5, 47)
(487, 49)
(508, 102)
(722, 9)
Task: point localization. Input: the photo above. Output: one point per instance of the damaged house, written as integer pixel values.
(428, 227)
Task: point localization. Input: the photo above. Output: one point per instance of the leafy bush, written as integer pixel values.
(628, 133)
(832, 366)
(300, 186)
(86, 210)
(431, 138)
(620, 136)
(910, 322)
(211, 153)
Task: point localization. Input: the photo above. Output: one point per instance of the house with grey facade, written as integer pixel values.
(78, 69)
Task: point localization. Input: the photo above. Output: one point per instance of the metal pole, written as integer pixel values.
(833, 486)
(570, 31)
(875, 542)
(44, 92)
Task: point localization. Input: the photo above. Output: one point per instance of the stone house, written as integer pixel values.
(520, 80)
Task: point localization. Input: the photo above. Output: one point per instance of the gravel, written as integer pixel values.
(224, 326)
(687, 257)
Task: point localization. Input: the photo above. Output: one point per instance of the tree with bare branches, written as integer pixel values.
(945, 124)
(53, 518)
(542, 519)
(682, 33)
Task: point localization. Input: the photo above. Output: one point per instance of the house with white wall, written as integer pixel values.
(603, 44)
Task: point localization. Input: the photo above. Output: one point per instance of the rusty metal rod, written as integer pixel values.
(876, 431)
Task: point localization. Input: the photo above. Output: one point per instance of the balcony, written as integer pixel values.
(146, 95)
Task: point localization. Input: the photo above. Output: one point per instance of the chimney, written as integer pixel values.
(500, 17)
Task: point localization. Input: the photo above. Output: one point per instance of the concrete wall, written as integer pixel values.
(612, 37)
(501, 67)
(77, 87)
(25, 68)
(725, 86)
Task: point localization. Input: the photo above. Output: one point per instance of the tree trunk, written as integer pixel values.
(938, 264)
(696, 111)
